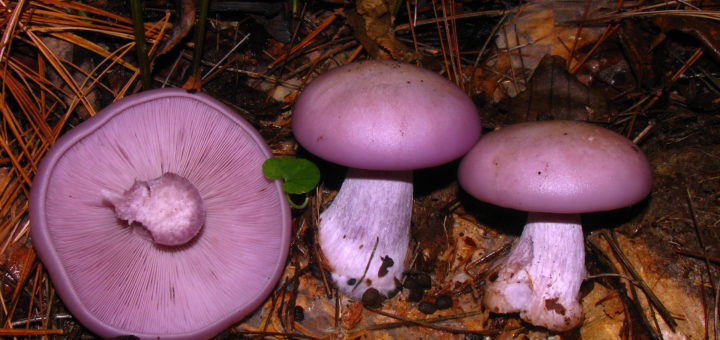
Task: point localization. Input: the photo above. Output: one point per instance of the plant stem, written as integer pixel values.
(199, 38)
(141, 47)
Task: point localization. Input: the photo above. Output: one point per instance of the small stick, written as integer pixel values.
(695, 254)
(29, 332)
(222, 60)
(199, 39)
(140, 45)
(426, 324)
(701, 242)
(372, 254)
(654, 300)
(286, 335)
(307, 39)
(390, 325)
(644, 132)
(491, 13)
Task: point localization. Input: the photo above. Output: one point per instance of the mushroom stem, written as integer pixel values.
(368, 222)
(169, 207)
(541, 276)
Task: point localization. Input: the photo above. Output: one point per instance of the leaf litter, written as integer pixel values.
(647, 70)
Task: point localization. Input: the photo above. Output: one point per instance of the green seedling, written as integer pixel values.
(299, 176)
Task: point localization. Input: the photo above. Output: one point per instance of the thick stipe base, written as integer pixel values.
(169, 207)
(368, 222)
(541, 276)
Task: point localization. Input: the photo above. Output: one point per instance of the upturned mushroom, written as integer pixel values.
(154, 219)
(382, 119)
(555, 170)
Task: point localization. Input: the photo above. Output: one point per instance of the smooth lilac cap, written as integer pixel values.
(556, 167)
(112, 277)
(385, 115)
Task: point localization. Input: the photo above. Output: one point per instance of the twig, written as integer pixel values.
(247, 73)
(489, 40)
(286, 314)
(444, 47)
(629, 297)
(412, 19)
(695, 254)
(307, 39)
(172, 69)
(314, 212)
(701, 242)
(491, 255)
(696, 228)
(598, 276)
(40, 319)
(10, 27)
(199, 38)
(426, 324)
(287, 335)
(390, 325)
(609, 30)
(232, 50)
(644, 132)
(493, 13)
(141, 47)
(656, 96)
(29, 332)
(712, 15)
(654, 300)
(372, 254)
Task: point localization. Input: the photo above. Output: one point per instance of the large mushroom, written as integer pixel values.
(382, 119)
(154, 219)
(555, 170)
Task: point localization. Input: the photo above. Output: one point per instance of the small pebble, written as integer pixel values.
(427, 307)
(424, 281)
(416, 295)
(443, 302)
(372, 298)
(410, 283)
(421, 281)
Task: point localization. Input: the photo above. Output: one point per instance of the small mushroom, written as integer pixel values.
(382, 119)
(555, 170)
(154, 219)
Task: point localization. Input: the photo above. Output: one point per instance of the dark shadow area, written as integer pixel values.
(504, 220)
(613, 218)
(426, 181)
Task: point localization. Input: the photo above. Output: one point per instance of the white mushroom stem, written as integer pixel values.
(169, 207)
(368, 222)
(541, 276)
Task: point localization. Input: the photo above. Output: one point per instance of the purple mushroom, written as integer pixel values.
(555, 170)
(382, 119)
(154, 219)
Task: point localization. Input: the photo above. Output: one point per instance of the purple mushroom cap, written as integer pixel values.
(556, 167)
(385, 115)
(382, 119)
(555, 170)
(182, 154)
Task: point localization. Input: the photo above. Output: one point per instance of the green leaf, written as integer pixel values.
(299, 175)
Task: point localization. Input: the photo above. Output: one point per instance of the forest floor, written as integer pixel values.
(648, 70)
